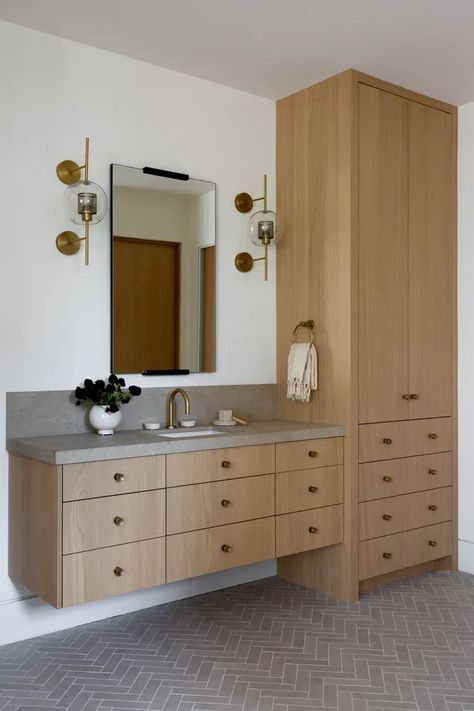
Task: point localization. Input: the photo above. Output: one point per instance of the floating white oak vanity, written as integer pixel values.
(90, 518)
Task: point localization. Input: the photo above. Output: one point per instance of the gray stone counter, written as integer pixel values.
(88, 447)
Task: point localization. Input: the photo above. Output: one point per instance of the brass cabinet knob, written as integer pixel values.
(414, 396)
(312, 529)
(312, 489)
(387, 517)
(118, 571)
(225, 464)
(226, 549)
(312, 454)
(433, 472)
(386, 555)
(225, 503)
(387, 478)
(406, 396)
(119, 521)
(432, 507)
(387, 440)
(432, 435)
(433, 544)
(119, 477)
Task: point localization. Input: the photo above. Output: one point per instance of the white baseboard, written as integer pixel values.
(466, 556)
(25, 618)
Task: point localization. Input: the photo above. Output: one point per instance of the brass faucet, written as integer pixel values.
(171, 398)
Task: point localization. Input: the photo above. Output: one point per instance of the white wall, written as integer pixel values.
(466, 335)
(54, 317)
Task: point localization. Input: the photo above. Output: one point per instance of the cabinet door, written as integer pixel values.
(430, 227)
(383, 256)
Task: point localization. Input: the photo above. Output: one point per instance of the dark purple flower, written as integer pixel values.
(135, 390)
(113, 379)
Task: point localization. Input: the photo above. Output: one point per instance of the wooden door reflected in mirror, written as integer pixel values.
(163, 273)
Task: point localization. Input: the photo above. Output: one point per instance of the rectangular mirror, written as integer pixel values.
(163, 232)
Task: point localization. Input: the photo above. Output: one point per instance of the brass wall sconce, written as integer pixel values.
(262, 229)
(85, 203)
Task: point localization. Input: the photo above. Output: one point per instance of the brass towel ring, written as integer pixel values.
(304, 324)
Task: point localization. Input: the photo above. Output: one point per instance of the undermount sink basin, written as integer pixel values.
(195, 433)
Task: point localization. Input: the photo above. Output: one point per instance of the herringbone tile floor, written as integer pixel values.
(265, 646)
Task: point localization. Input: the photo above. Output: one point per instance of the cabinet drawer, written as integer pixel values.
(111, 571)
(402, 476)
(117, 476)
(215, 464)
(402, 550)
(309, 454)
(219, 502)
(307, 530)
(202, 552)
(308, 489)
(388, 440)
(401, 513)
(97, 523)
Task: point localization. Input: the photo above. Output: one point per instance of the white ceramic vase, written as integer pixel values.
(104, 422)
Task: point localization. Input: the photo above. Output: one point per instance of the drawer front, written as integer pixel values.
(388, 440)
(308, 489)
(202, 552)
(308, 454)
(402, 476)
(220, 502)
(215, 464)
(97, 523)
(401, 513)
(308, 530)
(112, 571)
(383, 555)
(117, 476)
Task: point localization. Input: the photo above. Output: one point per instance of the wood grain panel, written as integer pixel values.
(308, 530)
(309, 454)
(116, 476)
(401, 513)
(219, 502)
(383, 256)
(430, 241)
(388, 440)
(90, 575)
(308, 489)
(35, 527)
(403, 550)
(378, 480)
(93, 523)
(215, 464)
(200, 552)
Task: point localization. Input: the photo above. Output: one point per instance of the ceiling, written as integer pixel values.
(276, 47)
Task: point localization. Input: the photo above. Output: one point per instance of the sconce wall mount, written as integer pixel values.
(85, 203)
(262, 229)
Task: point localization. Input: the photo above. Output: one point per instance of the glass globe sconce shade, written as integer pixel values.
(262, 228)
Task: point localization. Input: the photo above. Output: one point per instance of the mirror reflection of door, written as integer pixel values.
(146, 296)
(163, 233)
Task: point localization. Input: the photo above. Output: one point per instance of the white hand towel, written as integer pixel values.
(302, 371)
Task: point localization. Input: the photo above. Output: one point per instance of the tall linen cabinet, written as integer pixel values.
(366, 197)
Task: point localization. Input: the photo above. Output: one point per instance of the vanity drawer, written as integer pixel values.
(109, 521)
(308, 454)
(112, 571)
(205, 505)
(402, 476)
(308, 489)
(401, 513)
(215, 464)
(202, 552)
(402, 550)
(307, 530)
(117, 476)
(388, 440)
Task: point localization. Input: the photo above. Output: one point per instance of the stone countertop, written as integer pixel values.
(75, 448)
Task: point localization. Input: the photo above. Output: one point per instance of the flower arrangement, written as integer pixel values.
(111, 395)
